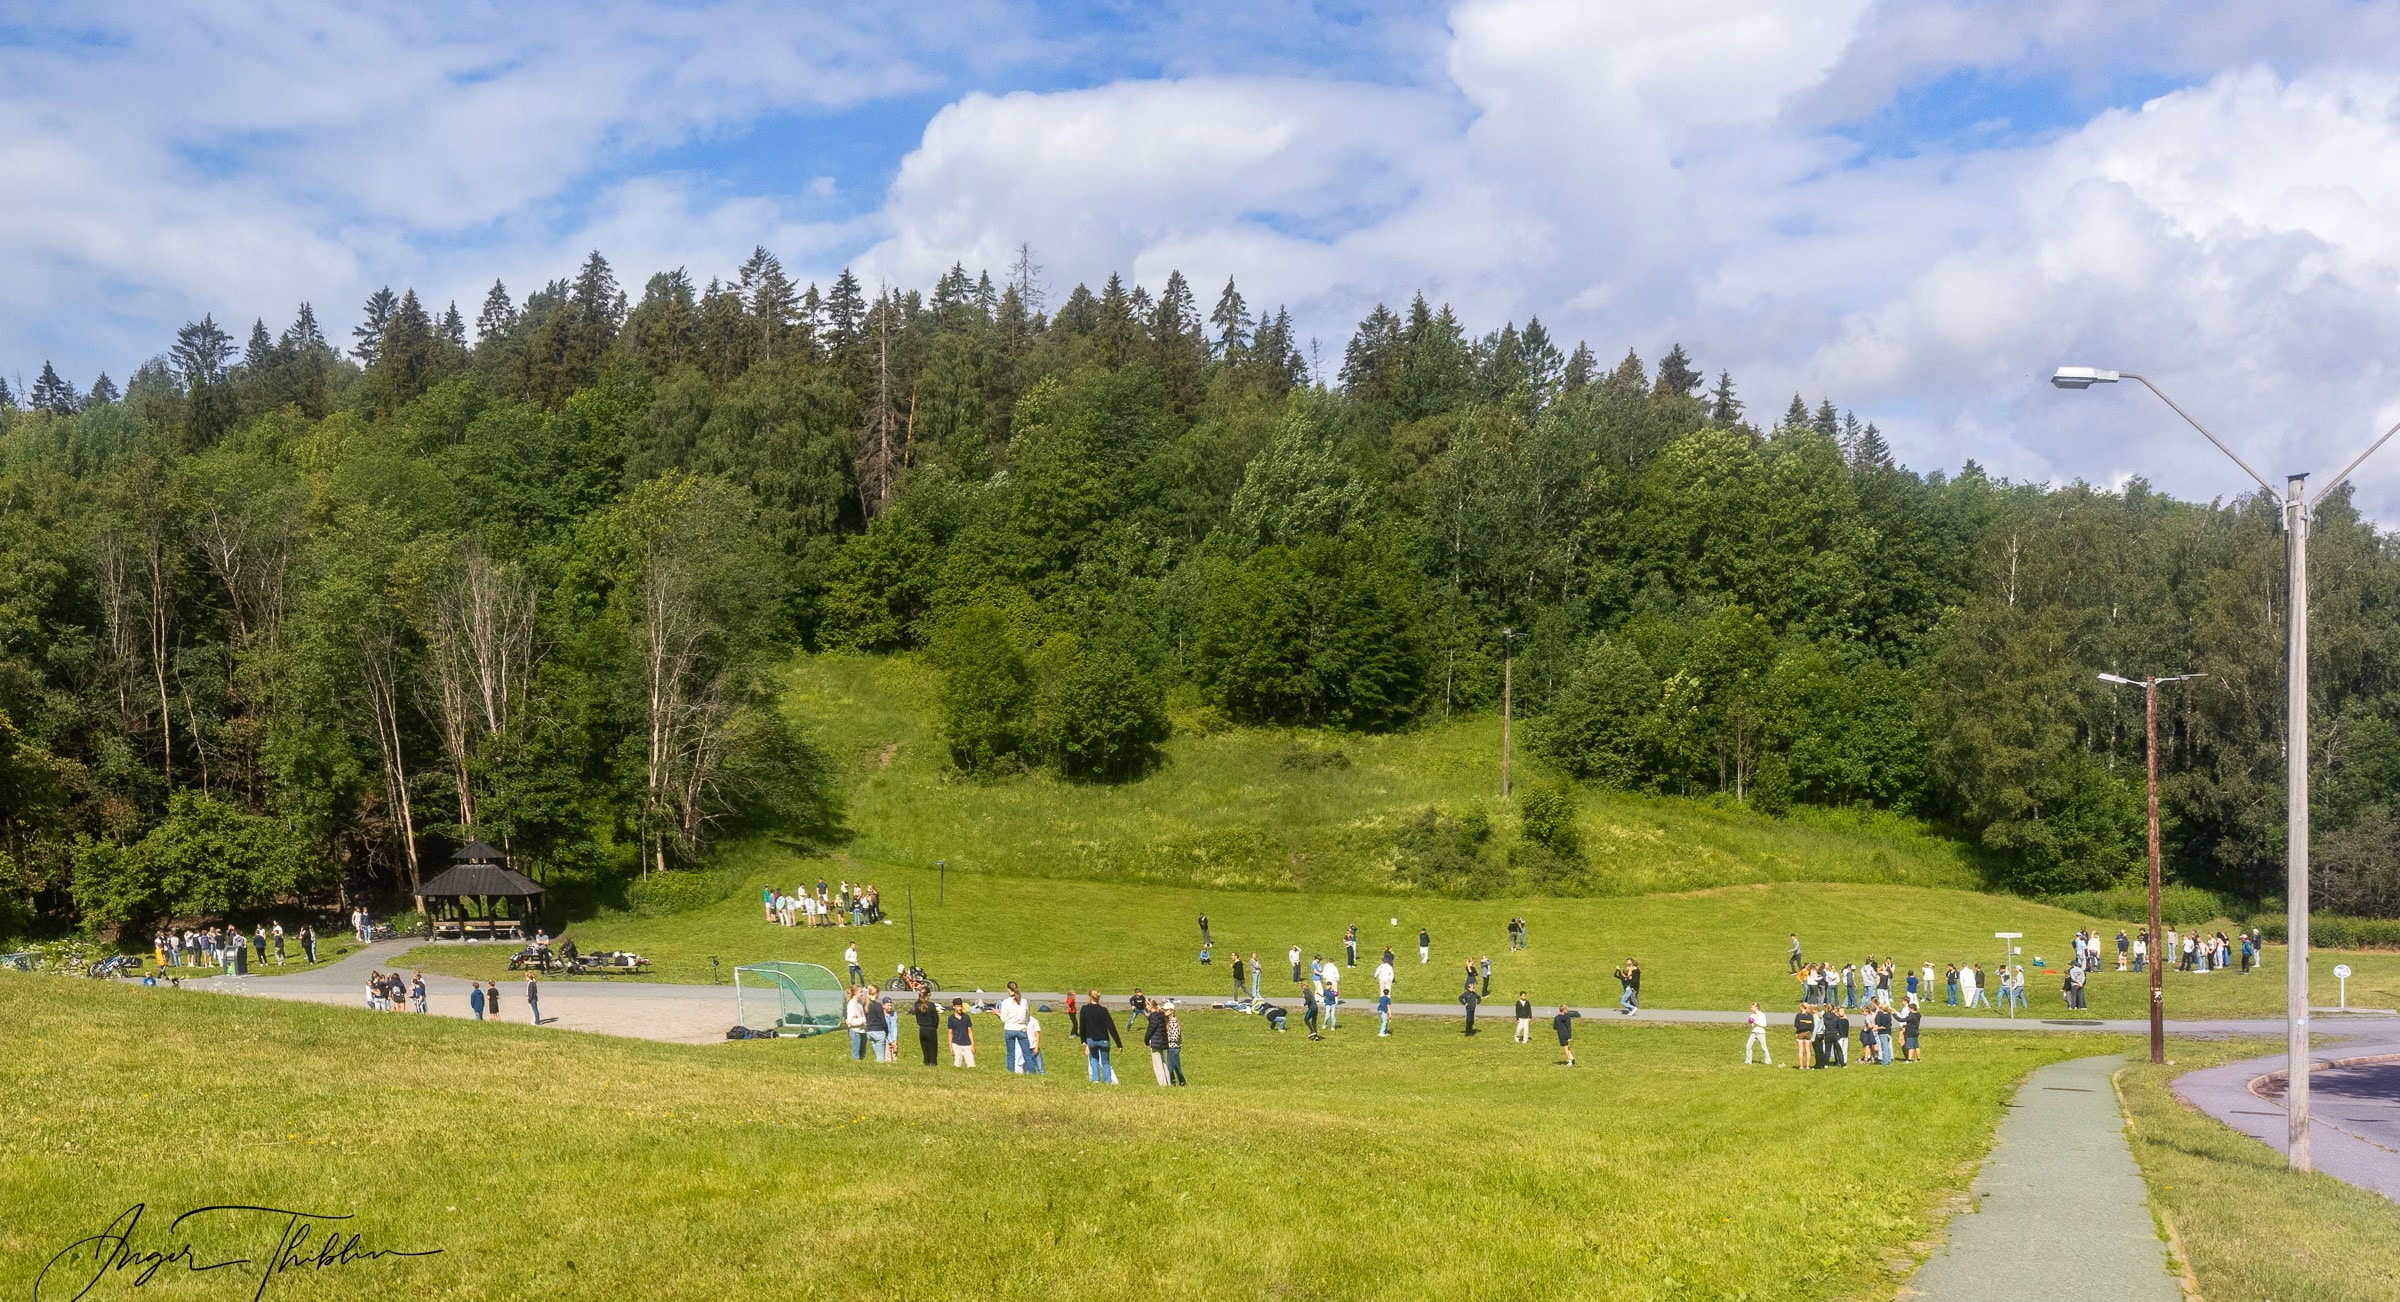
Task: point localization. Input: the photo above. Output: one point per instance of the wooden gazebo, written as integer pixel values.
(503, 899)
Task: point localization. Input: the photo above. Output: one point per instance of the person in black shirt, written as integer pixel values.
(1524, 1019)
(1154, 1038)
(1308, 1010)
(1468, 998)
(1883, 1034)
(1098, 1029)
(1275, 1016)
(1909, 1022)
(1204, 931)
(1564, 1024)
(1804, 1030)
(1424, 946)
(962, 1036)
(1241, 975)
(1838, 1042)
(1350, 946)
(929, 1025)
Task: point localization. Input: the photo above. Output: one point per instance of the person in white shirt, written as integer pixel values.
(854, 1019)
(1383, 978)
(1016, 1043)
(1758, 1038)
(1967, 988)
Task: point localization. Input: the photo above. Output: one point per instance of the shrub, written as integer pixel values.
(677, 891)
(2179, 906)
(1450, 855)
(1593, 728)
(1104, 717)
(2330, 931)
(1546, 817)
(987, 692)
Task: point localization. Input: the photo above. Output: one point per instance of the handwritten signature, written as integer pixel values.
(302, 1240)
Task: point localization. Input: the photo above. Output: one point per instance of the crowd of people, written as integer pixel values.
(227, 949)
(874, 1020)
(839, 905)
(389, 992)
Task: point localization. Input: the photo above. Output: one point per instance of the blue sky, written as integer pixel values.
(1913, 208)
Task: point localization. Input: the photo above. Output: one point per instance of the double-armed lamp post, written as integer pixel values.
(2297, 505)
(2158, 993)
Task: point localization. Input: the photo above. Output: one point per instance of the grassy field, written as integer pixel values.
(1265, 809)
(1709, 949)
(547, 1164)
(2252, 1230)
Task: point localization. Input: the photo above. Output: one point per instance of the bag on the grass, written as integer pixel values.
(738, 1033)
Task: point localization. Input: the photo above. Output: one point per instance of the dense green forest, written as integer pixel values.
(282, 616)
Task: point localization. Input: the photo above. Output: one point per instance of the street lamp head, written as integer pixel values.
(2112, 678)
(2081, 377)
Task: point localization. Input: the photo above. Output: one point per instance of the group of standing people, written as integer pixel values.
(226, 948)
(873, 1023)
(841, 905)
(1821, 1034)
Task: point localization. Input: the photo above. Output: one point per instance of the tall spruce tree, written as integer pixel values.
(1231, 317)
(498, 316)
(1724, 409)
(52, 394)
(1676, 376)
(369, 333)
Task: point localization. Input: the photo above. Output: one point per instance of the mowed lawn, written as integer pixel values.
(2253, 1230)
(1251, 808)
(1706, 949)
(550, 1164)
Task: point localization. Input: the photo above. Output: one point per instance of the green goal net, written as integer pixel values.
(790, 998)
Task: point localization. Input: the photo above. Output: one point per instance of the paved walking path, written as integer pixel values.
(2354, 1100)
(696, 1014)
(2061, 1212)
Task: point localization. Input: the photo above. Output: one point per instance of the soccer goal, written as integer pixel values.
(791, 998)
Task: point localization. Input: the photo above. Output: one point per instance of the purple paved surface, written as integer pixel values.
(2354, 1122)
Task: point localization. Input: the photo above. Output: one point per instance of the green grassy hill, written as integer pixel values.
(1261, 809)
(1054, 884)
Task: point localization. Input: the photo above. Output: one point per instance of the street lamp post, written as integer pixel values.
(1508, 644)
(2158, 994)
(2296, 508)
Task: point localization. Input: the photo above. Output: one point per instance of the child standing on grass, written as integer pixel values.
(1525, 1021)
(962, 1036)
(1564, 1024)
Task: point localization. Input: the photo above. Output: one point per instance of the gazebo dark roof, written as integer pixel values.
(477, 852)
(479, 879)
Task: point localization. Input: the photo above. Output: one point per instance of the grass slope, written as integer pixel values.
(1229, 811)
(550, 1164)
(1708, 949)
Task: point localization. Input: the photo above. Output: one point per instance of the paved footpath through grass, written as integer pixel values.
(2061, 1213)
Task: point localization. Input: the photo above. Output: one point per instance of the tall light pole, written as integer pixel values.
(2158, 993)
(1508, 643)
(2296, 507)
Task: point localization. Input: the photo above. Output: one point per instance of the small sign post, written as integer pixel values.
(2341, 973)
(2008, 945)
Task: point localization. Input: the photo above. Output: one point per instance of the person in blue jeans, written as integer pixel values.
(1097, 1028)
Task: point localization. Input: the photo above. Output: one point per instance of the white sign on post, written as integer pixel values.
(2341, 973)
